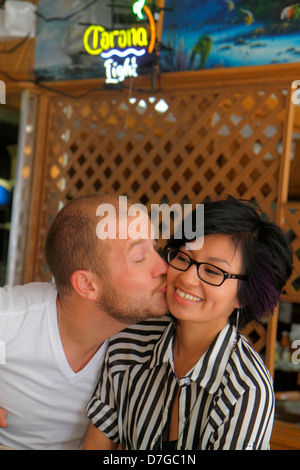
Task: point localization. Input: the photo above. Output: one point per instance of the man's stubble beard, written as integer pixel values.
(125, 310)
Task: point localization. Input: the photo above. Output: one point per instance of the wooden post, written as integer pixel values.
(283, 182)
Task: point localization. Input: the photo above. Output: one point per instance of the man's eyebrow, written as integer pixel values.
(135, 243)
(140, 241)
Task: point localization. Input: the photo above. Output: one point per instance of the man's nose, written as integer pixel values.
(160, 266)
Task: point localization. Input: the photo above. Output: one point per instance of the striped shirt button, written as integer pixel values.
(186, 381)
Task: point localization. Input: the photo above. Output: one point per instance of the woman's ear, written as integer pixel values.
(86, 284)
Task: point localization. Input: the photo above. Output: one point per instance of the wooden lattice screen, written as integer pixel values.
(172, 146)
(291, 225)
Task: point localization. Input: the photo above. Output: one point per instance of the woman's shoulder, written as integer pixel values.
(143, 331)
(248, 367)
(135, 344)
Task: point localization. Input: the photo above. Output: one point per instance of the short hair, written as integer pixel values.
(267, 257)
(72, 243)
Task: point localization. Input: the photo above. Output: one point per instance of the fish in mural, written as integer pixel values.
(291, 12)
(202, 47)
(249, 18)
(230, 5)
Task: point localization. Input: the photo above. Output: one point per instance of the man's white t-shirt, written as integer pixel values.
(45, 400)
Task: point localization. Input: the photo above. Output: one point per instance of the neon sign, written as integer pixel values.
(109, 40)
(116, 73)
(127, 44)
(137, 8)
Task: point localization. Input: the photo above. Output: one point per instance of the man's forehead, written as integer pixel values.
(134, 227)
(121, 248)
(121, 228)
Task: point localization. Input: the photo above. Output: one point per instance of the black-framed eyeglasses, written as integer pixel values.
(206, 272)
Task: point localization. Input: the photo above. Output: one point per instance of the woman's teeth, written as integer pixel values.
(185, 296)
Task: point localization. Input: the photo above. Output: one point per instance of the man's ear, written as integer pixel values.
(86, 284)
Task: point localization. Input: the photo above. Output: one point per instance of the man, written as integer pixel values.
(53, 337)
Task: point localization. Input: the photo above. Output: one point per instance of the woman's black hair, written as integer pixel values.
(266, 254)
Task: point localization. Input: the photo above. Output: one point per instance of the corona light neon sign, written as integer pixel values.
(127, 44)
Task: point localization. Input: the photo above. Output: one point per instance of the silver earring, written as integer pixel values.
(237, 329)
(237, 320)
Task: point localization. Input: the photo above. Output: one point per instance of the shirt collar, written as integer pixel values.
(163, 349)
(209, 370)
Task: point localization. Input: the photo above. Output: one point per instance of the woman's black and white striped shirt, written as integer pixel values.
(225, 402)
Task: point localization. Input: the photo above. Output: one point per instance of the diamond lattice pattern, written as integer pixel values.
(173, 147)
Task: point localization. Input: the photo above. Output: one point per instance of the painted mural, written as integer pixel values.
(206, 34)
(197, 34)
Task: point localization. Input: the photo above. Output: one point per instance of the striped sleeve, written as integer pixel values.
(101, 409)
(245, 427)
(248, 425)
(132, 346)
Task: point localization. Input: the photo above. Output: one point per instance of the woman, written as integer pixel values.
(192, 381)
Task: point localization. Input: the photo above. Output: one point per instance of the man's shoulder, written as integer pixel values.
(19, 298)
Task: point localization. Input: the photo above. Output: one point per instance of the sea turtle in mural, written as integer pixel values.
(202, 47)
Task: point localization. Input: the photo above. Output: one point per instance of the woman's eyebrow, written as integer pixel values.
(220, 260)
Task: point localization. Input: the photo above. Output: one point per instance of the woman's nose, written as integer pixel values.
(191, 276)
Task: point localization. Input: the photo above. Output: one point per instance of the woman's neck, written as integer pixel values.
(190, 343)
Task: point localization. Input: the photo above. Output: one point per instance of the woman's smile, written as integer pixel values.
(187, 296)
